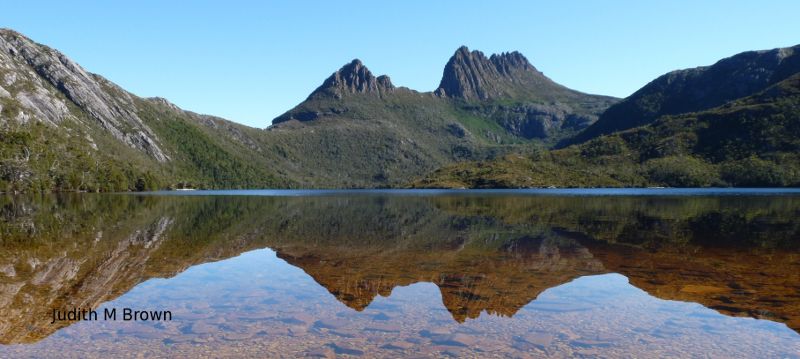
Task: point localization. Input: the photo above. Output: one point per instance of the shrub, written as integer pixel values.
(681, 171)
(755, 172)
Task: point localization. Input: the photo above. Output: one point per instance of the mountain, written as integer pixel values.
(64, 128)
(358, 129)
(506, 98)
(354, 78)
(697, 89)
(471, 76)
(749, 142)
(506, 89)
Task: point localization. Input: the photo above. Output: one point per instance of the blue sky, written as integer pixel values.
(251, 61)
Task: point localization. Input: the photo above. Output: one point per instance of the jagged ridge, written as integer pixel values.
(473, 76)
(354, 78)
(504, 91)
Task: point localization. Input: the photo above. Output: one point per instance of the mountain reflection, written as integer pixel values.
(737, 255)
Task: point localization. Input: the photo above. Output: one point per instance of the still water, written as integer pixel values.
(410, 273)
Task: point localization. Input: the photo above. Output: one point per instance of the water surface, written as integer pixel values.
(419, 273)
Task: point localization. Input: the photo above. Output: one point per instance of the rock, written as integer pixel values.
(355, 78)
(341, 348)
(259, 315)
(297, 330)
(381, 316)
(8, 270)
(324, 352)
(195, 315)
(142, 331)
(398, 345)
(589, 343)
(543, 108)
(276, 331)
(179, 339)
(381, 327)
(453, 353)
(203, 328)
(538, 339)
(298, 318)
(345, 333)
(331, 323)
(43, 105)
(237, 336)
(102, 336)
(429, 333)
(459, 339)
(473, 76)
(470, 76)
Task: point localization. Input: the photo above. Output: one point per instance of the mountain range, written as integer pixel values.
(493, 121)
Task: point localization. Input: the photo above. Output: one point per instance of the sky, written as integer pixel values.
(250, 61)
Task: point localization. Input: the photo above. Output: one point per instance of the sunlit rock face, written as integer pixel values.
(45, 83)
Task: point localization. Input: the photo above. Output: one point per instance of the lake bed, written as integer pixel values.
(405, 273)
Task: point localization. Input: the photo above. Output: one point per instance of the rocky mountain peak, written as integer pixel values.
(467, 75)
(470, 75)
(508, 62)
(353, 78)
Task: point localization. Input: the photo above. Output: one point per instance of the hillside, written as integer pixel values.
(63, 128)
(358, 130)
(750, 142)
(697, 89)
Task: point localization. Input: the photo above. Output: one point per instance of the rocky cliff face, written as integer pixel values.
(470, 75)
(698, 89)
(540, 108)
(354, 78)
(49, 87)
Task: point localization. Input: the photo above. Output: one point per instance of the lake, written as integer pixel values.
(506, 273)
